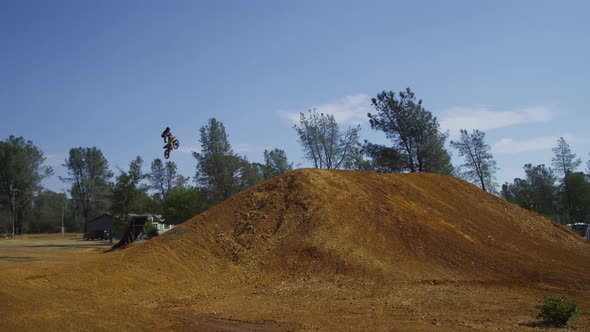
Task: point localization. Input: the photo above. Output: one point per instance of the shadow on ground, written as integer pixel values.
(18, 259)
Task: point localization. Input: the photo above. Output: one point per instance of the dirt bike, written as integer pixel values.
(173, 143)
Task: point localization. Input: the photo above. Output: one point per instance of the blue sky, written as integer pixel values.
(113, 74)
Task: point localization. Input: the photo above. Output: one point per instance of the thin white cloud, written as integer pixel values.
(351, 109)
(242, 148)
(509, 145)
(238, 148)
(483, 118)
(190, 149)
(293, 117)
(55, 159)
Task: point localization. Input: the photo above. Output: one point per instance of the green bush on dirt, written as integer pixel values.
(556, 311)
(150, 230)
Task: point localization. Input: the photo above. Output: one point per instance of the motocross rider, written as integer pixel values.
(166, 134)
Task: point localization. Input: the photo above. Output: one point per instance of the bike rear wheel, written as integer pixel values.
(167, 154)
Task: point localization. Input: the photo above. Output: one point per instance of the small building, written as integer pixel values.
(156, 221)
(161, 226)
(107, 221)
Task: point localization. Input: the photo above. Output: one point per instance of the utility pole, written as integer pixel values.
(62, 213)
(13, 213)
(13, 191)
(62, 222)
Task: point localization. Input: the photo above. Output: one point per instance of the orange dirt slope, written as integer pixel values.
(332, 250)
(385, 227)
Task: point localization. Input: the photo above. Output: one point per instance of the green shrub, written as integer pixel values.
(556, 311)
(150, 230)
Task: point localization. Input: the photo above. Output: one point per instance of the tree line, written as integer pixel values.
(561, 192)
(417, 144)
(95, 189)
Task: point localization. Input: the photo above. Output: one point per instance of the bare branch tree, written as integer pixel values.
(479, 166)
(324, 143)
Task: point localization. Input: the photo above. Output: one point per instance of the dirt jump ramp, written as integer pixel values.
(132, 231)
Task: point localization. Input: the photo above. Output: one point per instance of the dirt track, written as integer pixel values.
(313, 250)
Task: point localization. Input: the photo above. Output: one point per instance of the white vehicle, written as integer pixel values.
(582, 229)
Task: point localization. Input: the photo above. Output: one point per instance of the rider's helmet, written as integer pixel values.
(167, 128)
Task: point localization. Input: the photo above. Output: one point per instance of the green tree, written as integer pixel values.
(182, 204)
(251, 174)
(128, 192)
(575, 197)
(325, 144)
(537, 192)
(89, 174)
(22, 169)
(275, 163)
(46, 216)
(479, 166)
(165, 177)
(518, 192)
(414, 131)
(565, 163)
(382, 158)
(564, 160)
(219, 169)
(5, 218)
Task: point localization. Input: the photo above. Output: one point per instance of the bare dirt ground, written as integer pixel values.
(311, 250)
(47, 249)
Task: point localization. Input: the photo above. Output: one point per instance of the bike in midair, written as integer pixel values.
(173, 144)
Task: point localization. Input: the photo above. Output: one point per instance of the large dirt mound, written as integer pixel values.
(384, 227)
(317, 250)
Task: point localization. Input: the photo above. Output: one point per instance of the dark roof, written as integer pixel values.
(100, 216)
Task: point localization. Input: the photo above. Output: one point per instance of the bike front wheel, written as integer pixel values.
(176, 144)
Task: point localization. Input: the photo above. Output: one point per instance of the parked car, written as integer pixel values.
(103, 234)
(582, 229)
